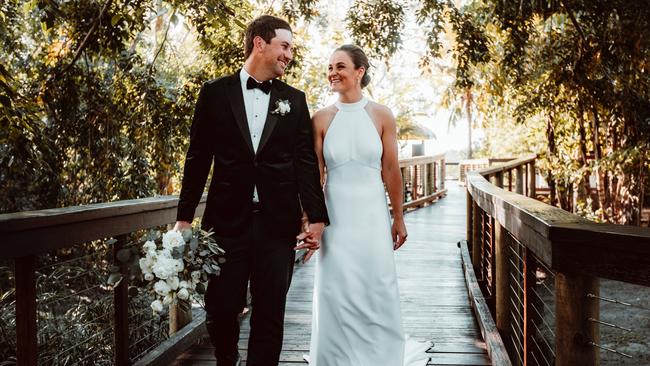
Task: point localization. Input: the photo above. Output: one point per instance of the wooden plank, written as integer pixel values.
(434, 297)
(419, 160)
(495, 346)
(36, 232)
(467, 359)
(428, 199)
(169, 349)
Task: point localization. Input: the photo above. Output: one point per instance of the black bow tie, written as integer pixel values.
(264, 86)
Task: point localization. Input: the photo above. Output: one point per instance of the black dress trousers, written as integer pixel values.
(268, 264)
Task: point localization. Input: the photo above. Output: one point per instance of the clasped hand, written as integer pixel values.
(309, 239)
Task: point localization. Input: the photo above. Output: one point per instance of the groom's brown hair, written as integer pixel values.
(264, 27)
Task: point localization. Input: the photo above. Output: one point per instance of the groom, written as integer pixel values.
(255, 132)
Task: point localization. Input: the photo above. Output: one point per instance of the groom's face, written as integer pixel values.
(277, 54)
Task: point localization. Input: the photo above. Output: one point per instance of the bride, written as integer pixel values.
(356, 317)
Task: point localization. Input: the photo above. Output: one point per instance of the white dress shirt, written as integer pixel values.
(256, 103)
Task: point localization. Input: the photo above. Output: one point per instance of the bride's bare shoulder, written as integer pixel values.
(379, 111)
(324, 116)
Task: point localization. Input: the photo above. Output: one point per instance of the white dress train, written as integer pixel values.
(356, 319)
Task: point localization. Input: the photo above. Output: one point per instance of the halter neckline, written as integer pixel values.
(352, 106)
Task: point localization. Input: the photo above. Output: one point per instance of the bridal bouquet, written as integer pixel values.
(178, 266)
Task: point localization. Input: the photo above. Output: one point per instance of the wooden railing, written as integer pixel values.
(32, 238)
(423, 178)
(538, 266)
(39, 241)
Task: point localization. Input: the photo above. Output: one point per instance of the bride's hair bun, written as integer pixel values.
(359, 59)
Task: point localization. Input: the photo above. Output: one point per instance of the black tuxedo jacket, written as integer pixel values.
(285, 169)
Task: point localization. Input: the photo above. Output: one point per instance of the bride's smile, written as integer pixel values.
(342, 75)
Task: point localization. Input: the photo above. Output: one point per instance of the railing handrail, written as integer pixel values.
(417, 160)
(34, 232)
(508, 165)
(562, 240)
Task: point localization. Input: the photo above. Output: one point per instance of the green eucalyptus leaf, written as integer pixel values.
(114, 279)
(123, 255)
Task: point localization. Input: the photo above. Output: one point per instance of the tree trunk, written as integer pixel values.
(601, 182)
(468, 110)
(583, 188)
(550, 136)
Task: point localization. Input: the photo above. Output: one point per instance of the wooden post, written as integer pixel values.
(520, 180)
(180, 314)
(403, 170)
(502, 274)
(26, 328)
(121, 310)
(426, 179)
(414, 184)
(469, 205)
(443, 168)
(498, 180)
(510, 180)
(435, 177)
(526, 183)
(572, 329)
(531, 179)
(432, 186)
(476, 239)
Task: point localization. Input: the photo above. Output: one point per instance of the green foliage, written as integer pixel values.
(471, 42)
(96, 98)
(376, 26)
(578, 72)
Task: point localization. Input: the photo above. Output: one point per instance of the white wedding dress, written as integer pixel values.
(356, 318)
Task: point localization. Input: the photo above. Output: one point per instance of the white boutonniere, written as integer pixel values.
(282, 107)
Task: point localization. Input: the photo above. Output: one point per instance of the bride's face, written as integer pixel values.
(342, 75)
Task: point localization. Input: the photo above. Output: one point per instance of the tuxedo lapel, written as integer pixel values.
(236, 97)
(271, 119)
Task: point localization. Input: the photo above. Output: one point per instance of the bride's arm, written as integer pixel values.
(319, 129)
(391, 175)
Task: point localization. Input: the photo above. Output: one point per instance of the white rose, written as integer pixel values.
(183, 294)
(162, 288)
(168, 299)
(145, 264)
(148, 276)
(179, 266)
(164, 253)
(173, 282)
(165, 267)
(149, 246)
(184, 284)
(157, 306)
(172, 239)
(284, 107)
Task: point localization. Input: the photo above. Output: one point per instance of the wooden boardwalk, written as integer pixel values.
(435, 303)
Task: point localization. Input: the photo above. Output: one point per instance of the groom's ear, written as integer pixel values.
(258, 43)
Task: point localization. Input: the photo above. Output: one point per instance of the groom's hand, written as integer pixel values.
(310, 239)
(182, 225)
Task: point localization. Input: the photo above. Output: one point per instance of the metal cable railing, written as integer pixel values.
(545, 268)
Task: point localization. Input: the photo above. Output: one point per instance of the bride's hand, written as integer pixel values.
(399, 233)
